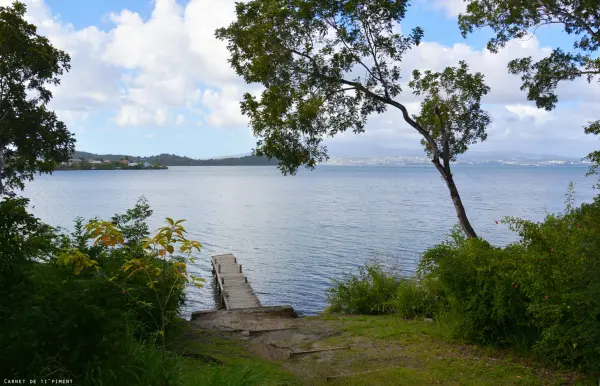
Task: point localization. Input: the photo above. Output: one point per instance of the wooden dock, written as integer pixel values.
(235, 291)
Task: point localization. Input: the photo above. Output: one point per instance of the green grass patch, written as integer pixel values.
(411, 352)
(213, 358)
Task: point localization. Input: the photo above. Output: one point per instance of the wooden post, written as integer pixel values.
(235, 260)
(245, 279)
(240, 268)
(222, 281)
(219, 268)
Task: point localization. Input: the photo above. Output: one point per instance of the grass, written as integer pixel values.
(424, 356)
(211, 358)
(379, 350)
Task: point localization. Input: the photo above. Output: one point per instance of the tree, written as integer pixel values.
(517, 19)
(307, 55)
(32, 139)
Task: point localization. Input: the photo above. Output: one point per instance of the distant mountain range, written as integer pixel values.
(175, 160)
(388, 157)
(498, 158)
(355, 154)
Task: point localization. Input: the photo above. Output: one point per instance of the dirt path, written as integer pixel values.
(367, 350)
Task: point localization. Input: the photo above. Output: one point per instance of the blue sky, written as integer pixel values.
(149, 77)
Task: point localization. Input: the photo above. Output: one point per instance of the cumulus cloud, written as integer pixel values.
(141, 68)
(451, 8)
(224, 106)
(174, 54)
(530, 112)
(89, 84)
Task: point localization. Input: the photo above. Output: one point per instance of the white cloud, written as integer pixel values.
(180, 119)
(160, 116)
(526, 112)
(516, 122)
(141, 68)
(224, 106)
(89, 84)
(175, 54)
(133, 115)
(452, 8)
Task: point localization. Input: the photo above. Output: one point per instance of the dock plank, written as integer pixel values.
(235, 290)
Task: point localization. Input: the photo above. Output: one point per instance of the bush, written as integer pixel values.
(375, 291)
(136, 363)
(476, 281)
(370, 292)
(93, 304)
(539, 294)
(418, 298)
(559, 274)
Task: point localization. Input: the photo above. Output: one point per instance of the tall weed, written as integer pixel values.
(369, 292)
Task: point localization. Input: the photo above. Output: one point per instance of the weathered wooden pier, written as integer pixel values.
(234, 290)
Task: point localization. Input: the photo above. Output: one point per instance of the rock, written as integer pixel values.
(429, 320)
(245, 333)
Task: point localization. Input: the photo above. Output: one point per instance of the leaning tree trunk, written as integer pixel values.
(461, 213)
(1, 172)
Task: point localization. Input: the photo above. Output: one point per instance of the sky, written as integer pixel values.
(149, 77)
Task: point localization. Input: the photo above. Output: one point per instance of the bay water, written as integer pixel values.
(294, 234)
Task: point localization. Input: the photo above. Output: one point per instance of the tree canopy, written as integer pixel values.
(32, 138)
(517, 19)
(327, 65)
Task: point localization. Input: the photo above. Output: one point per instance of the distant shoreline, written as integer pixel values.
(94, 170)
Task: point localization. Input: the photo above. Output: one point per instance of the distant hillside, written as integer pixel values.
(175, 160)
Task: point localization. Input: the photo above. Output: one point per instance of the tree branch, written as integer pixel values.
(339, 90)
(583, 24)
(384, 99)
(532, 34)
(383, 82)
(402, 108)
(334, 26)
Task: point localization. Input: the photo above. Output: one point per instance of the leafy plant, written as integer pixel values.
(477, 281)
(369, 292)
(91, 305)
(32, 138)
(165, 273)
(418, 299)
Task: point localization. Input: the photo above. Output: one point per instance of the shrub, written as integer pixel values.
(559, 273)
(73, 296)
(417, 298)
(135, 363)
(375, 291)
(476, 280)
(369, 292)
(539, 294)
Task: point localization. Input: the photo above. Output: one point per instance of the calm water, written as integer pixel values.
(292, 234)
